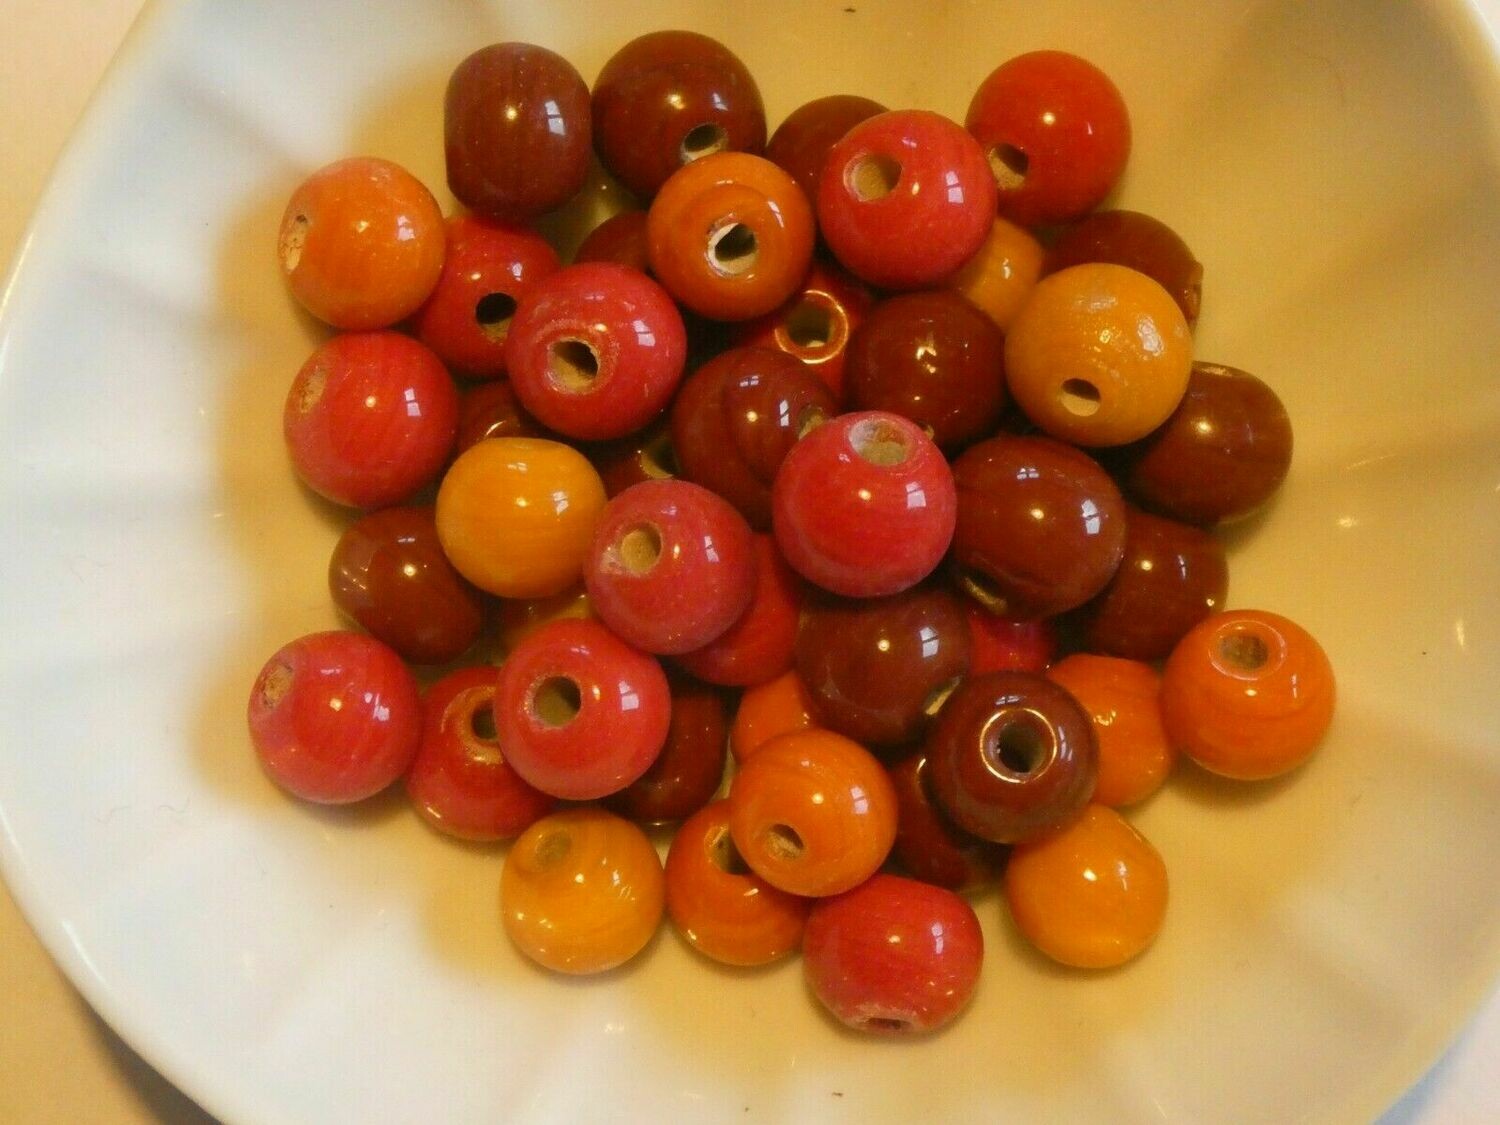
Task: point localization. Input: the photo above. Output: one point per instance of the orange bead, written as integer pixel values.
(581, 891)
(1247, 694)
(730, 236)
(518, 619)
(813, 813)
(1123, 698)
(1002, 274)
(361, 243)
(516, 515)
(723, 909)
(779, 706)
(1093, 895)
(1098, 355)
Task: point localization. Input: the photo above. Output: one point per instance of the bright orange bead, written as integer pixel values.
(1123, 698)
(1093, 895)
(723, 909)
(1247, 694)
(730, 236)
(518, 619)
(813, 813)
(779, 706)
(582, 891)
(516, 515)
(1002, 273)
(361, 243)
(1098, 355)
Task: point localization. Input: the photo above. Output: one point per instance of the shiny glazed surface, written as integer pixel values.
(928, 844)
(687, 772)
(801, 142)
(759, 646)
(779, 706)
(816, 323)
(1144, 244)
(1123, 700)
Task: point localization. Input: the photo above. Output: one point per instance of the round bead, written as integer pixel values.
(929, 845)
(758, 647)
(776, 707)
(1123, 699)
(581, 891)
(687, 772)
(1248, 694)
(999, 644)
(800, 144)
(812, 813)
(1098, 355)
(1002, 272)
(620, 239)
(1144, 244)
(490, 410)
(816, 323)
(518, 618)
(516, 515)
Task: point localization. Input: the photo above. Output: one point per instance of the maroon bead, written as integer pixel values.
(999, 644)
(1172, 576)
(934, 358)
(737, 417)
(801, 142)
(929, 845)
(1041, 527)
(759, 646)
(389, 573)
(1012, 756)
(1144, 244)
(1221, 455)
(620, 239)
(516, 131)
(815, 326)
(670, 97)
(877, 670)
(690, 767)
(491, 410)
(644, 455)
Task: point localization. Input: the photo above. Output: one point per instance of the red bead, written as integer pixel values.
(998, 644)
(1138, 242)
(335, 717)
(928, 844)
(758, 647)
(690, 767)
(800, 144)
(370, 418)
(620, 239)
(580, 713)
(671, 568)
(489, 268)
(893, 956)
(516, 131)
(816, 324)
(596, 351)
(644, 455)
(1056, 133)
(905, 199)
(490, 410)
(460, 780)
(864, 505)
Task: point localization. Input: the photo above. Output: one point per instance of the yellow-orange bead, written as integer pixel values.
(516, 515)
(1093, 895)
(779, 706)
(1002, 274)
(1123, 699)
(518, 619)
(1098, 355)
(582, 891)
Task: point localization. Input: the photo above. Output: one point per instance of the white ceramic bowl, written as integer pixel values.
(1335, 166)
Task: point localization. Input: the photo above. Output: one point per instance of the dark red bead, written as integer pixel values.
(758, 647)
(928, 844)
(1000, 644)
(801, 142)
(1144, 244)
(620, 239)
(490, 410)
(690, 767)
(644, 455)
(815, 326)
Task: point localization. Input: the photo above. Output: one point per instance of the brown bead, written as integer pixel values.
(1221, 455)
(931, 357)
(516, 131)
(876, 670)
(690, 767)
(667, 98)
(389, 573)
(801, 142)
(1146, 245)
(644, 455)
(928, 844)
(1172, 576)
(490, 410)
(1041, 527)
(620, 239)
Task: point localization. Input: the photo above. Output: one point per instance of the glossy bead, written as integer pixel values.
(776, 707)
(516, 131)
(516, 515)
(1002, 273)
(370, 418)
(644, 455)
(812, 813)
(491, 410)
(1040, 529)
(1098, 355)
(460, 780)
(580, 713)
(738, 416)
(878, 670)
(1221, 455)
(1056, 133)
(518, 618)
(800, 144)
(582, 891)
(596, 351)
(758, 647)
(489, 268)
(722, 908)
(730, 236)
(361, 243)
(668, 98)
(1000, 644)
(1170, 578)
(334, 717)
(1093, 895)
(389, 574)
(905, 199)
(1123, 699)
(1013, 756)
(1144, 244)
(893, 956)
(934, 358)
(620, 239)
(864, 505)
(815, 324)
(928, 844)
(1248, 694)
(687, 772)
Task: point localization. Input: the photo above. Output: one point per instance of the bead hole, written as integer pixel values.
(482, 723)
(556, 701)
(638, 550)
(872, 177)
(783, 843)
(658, 458)
(552, 849)
(880, 442)
(1009, 165)
(293, 238)
(984, 590)
(732, 249)
(493, 312)
(939, 696)
(1017, 746)
(703, 140)
(809, 324)
(1079, 397)
(311, 390)
(724, 855)
(275, 683)
(574, 365)
(809, 420)
(886, 1024)
(1244, 652)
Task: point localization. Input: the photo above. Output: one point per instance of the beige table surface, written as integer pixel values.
(58, 1061)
